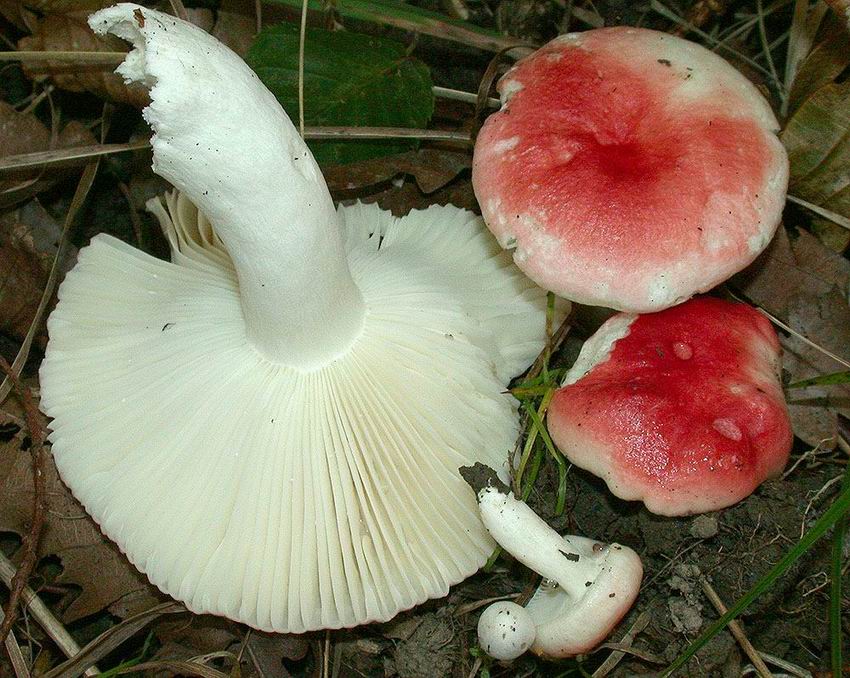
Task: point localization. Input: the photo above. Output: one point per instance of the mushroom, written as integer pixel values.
(630, 168)
(682, 409)
(270, 425)
(587, 587)
(505, 630)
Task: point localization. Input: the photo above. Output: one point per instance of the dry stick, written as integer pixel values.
(30, 541)
(42, 614)
(736, 630)
(776, 321)
(16, 657)
(834, 217)
(614, 658)
(179, 10)
(73, 155)
(72, 56)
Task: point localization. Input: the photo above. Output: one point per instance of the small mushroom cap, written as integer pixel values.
(567, 627)
(630, 168)
(505, 630)
(682, 409)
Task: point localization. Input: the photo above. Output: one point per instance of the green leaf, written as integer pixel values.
(407, 17)
(350, 79)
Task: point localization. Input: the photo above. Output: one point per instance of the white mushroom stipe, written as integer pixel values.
(270, 425)
(505, 630)
(596, 583)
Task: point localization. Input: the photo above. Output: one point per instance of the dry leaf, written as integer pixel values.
(28, 244)
(791, 265)
(817, 134)
(431, 168)
(89, 560)
(826, 320)
(24, 133)
(237, 31)
(70, 32)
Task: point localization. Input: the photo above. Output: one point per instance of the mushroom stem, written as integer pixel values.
(528, 538)
(223, 139)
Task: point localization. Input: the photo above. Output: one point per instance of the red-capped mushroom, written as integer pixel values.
(630, 168)
(682, 409)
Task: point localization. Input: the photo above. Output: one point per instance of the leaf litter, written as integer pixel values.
(802, 279)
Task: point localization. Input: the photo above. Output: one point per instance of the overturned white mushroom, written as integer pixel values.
(270, 426)
(505, 630)
(589, 586)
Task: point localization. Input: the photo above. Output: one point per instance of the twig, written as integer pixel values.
(110, 639)
(626, 642)
(776, 321)
(75, 154)
(736, 630)
(834, 217)
(16, 657)
(42, 614)
(459, 95)
(179, 10)
(29, 547)
(67, 56)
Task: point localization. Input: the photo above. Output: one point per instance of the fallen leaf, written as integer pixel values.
(28, 244)
(25, 133)
(237, 31)
(431, 168)
(793, 264)
(817, 134)
(824, 319)
(105, 577)
(70, 32)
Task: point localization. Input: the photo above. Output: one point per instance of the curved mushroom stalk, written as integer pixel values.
(589, 587)
(219, 130)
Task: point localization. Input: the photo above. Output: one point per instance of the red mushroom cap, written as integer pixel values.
(630, 168)
(682, 409)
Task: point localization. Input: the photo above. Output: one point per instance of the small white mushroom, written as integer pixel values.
(505, 630)
(590, 585)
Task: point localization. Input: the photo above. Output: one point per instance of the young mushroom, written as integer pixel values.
(630, 168)
(505, 630)
(270, 425)
(587, 587)
(682, 409)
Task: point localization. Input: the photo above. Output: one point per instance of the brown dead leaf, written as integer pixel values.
(237, 31)
(266, 652)
(802, 282)
(28, 243)
(793, 264)
(89, 560)
(70, 32)
(24, 133)
(431, 168)
(824, 319)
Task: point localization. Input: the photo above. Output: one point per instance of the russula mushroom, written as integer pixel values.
(505, 630)
(630, 168)
(587, 588)
(681, 409)
(270, 425)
